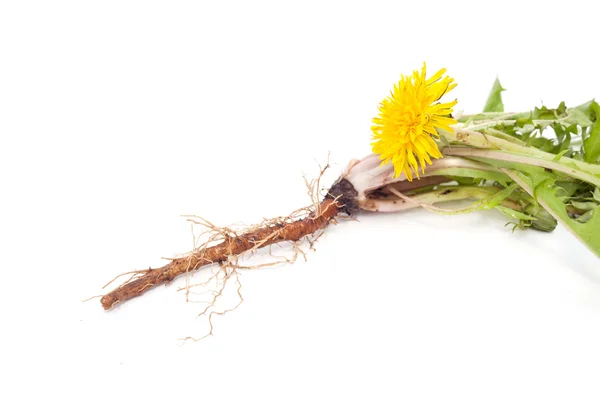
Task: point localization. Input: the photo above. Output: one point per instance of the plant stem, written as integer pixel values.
(443, 194)
(479, 140)
(492, 116)
(520, 159)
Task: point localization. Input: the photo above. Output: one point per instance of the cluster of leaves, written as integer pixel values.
(536, 142)
(574, 132)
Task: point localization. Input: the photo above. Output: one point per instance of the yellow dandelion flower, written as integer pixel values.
(404, 131)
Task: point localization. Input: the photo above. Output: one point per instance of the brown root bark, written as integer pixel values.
(232, 245)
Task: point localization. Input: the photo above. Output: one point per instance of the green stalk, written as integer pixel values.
(509, 157)
(479, 140)
(510, 202)
(452, 193)
(483, 116)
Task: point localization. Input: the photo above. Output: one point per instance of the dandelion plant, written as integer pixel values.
(538, 167)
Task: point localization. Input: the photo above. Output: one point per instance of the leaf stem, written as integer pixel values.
(480, 140)
(521, 159)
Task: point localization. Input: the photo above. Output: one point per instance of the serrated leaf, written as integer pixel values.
(520, 122)
(494, 100)
(544, 113)
(591, 144)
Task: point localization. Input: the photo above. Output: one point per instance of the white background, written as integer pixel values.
(116, 117)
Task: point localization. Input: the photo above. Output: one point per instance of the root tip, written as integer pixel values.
(106, 302)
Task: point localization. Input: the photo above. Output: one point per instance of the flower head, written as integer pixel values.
(404, 131)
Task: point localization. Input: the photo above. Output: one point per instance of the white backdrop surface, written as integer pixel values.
(116, 117)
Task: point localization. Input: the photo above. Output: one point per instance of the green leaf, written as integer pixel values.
(568, 189)
(528, 120)
(563, 134)
(586, 229)
(495, 199)
(542, 143)
(549, 113)
(559, 155)
(591, 144)
(578, 117)
(586, 108)
(515, 214)
(586, 217)
(585, 205)
(494, 100)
